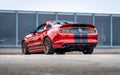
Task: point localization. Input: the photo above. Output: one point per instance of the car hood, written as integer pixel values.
(29, 35)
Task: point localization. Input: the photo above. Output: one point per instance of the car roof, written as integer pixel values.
(61, 22)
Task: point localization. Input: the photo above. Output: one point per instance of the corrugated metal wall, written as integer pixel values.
(14, 25)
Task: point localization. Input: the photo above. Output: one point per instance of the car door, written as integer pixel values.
(36, 39)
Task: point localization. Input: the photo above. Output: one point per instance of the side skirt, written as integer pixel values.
(36, 48)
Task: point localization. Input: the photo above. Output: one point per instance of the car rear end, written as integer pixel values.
(76, 37)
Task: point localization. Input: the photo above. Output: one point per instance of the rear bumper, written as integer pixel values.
(70, 44)
(75, 41)
(78, 46)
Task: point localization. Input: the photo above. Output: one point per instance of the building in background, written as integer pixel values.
(14, 25)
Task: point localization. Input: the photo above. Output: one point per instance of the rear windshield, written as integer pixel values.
(63, 22)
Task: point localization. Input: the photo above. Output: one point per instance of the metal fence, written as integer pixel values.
(14, 25)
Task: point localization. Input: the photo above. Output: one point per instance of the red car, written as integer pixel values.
(60, 37)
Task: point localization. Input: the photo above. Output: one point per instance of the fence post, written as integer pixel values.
(16, 28)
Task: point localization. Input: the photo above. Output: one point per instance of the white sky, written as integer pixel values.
(86, 6)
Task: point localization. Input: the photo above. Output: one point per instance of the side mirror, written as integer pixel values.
(33, 31)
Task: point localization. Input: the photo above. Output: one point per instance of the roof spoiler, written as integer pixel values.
(78, 25)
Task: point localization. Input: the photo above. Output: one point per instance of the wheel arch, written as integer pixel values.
(49, 39)
(25, 41)
(46, 37)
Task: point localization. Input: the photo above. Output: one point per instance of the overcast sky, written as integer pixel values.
(86, 6)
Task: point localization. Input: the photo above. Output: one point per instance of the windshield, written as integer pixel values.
(40, 28)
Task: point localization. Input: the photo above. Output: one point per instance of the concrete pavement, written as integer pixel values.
(60, 64)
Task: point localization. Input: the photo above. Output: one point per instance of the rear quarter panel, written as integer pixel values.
(52, 33)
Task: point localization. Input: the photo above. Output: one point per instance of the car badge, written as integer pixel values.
(80, 30)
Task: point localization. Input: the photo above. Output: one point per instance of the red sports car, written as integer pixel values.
(60, 37)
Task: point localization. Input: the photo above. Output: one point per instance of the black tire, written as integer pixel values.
(24, 48)
(48, 46)
(88, 51)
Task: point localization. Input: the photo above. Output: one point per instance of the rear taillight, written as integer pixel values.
(78, 30)
(65, 30)
(92, 30)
